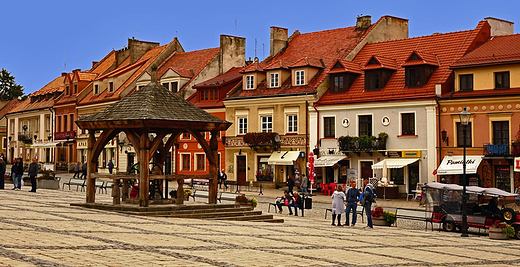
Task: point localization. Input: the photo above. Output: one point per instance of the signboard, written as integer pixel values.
(394, 154)
(517, 164)
(411, 154)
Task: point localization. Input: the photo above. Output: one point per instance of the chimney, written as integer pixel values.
(94, 63)
(77, 70)
(63, 74)
(363, 22)
(154, 74)
(232, 52)
(278, 40)
(500, 26)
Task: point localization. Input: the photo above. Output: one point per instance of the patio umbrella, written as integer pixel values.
(385, 175)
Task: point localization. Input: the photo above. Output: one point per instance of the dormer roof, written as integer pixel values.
(380, 62)
(253, 67)
(417, 58)
(277, 64)
(344, 66)
(308, 62)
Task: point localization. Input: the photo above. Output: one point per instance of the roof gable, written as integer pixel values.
(497, 50)
(421, 58)
(380, 62)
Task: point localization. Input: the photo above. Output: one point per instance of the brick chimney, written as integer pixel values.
(500, 26)
(363, 22)
(154, 74)
(232, 52)
(278, 40)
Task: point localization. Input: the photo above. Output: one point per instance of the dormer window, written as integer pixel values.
(300, 77)
(110, 87)
(378, 71)
(419, 67)
(250, 82)
(502, 80)
(274, 80)
(466, 82)
(96, 89)
(66, 90)
(208, 94)
(75, 88)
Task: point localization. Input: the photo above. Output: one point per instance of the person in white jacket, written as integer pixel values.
(338, 204)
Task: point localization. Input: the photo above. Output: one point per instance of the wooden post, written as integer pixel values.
(213, 168)
(116, 198)
(180, 191)
(91, 167)
(125, 188)
(144, 176)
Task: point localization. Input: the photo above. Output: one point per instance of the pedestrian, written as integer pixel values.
(296, 203)
(290, 183)
(17, 171)
(33, 171)
(84, 170)
(3, 167)
(77, 169)
(338, 204)
(223, 178)
(110, 166)
(219, 179)
(352, 200)
(285, 200)
(305, 184)
(369, 196)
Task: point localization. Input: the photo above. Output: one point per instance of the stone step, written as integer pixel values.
(269, 220)
(245, 218)
(214, 215)
(188, 211)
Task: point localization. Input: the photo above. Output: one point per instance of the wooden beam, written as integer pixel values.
(91, 167)
(205, 146)
(213, 169)
(144, 181)
(103, 139)
(134, 139)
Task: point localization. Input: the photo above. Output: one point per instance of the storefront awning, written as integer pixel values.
(453, 165)
(283, 157)
(327, 161)
(44, 145)
(394, 163)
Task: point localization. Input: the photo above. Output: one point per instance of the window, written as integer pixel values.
(300, 77)
(365, 125)
(501, 80)
(111, 87)
(460, 135)
(208, 94)
(250, 82)
(174, 87)
(71, 128)
(418, 76)
(242, 125)
(292, 123)
(58, 124)
(140, 87)
(36, 125)
(12, 127)
(65, 125)
(267, 123)
(397, 175)
(201, 162)
(377, 79)
(407, 123)
(48, 124)
(96, 89)
(329, 124)
(186, 162)
(166, 85)
(4, 142)
(66, 90)
(186, 135)
(500, 133)
(75, 88)
(274, 80)
(466, 82)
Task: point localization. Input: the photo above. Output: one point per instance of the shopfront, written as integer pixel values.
(286, 163)
(400, 172)
(450, 170)
(332, 169)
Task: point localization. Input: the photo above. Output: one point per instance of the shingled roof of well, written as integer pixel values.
(153, 102)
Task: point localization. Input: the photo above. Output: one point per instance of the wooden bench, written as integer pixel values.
(220, 195)
(200, 183)
(100, 185)
(359, 211)
(77, 182)
(413, 215)
(108, 184)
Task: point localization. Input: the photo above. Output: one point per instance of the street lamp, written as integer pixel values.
(464, 121)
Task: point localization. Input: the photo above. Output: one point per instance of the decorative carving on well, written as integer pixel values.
(487, 180)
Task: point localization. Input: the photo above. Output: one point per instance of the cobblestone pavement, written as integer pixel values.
(42, 229)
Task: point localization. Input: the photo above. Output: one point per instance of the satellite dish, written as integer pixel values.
(277, 138)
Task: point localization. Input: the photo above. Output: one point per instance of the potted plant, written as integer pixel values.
(382, 217)
(501, 230)
(187, 194)
(244, 201)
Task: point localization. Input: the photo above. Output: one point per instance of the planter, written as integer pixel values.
(497, 233)
(380, 221)
(245, 204)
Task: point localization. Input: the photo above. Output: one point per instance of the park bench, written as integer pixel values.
(220, 195)
(100, 185)
(105, 186)
(200, 183)
(77, 182)
(413, 215)
(359, 211)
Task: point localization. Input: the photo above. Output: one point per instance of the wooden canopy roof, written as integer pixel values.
(153, 107)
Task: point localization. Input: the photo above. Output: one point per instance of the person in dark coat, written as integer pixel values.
(2, 173)
(223, 178)
(290, 183)
(84, 171)
(369, 196)
(33, 171)
(17, 171)
(352, 200)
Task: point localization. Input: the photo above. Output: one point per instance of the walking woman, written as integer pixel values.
(338, 204)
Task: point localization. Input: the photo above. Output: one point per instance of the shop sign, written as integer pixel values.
(517, 164)
(412, 154)
(394, 154)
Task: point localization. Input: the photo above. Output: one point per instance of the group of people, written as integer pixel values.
(82, 170)
(351, 200)
(291, 200)
(17, 173)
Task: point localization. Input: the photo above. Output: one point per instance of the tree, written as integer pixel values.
(9, 90)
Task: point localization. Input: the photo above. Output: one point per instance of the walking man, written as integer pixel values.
(369, 195)
(290, 183)
(33, 171)
(223, 177)
(2, 173)
(352, 200)
(305, 184)
(77, 169)
(84, 171)
(17, 170)
(110, 166)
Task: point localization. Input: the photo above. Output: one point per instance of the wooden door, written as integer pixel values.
(366, 170)
(241, 170)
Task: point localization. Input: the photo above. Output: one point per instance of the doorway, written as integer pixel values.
(241, 170)
(413, 176)
(503, 177)
(366, 170)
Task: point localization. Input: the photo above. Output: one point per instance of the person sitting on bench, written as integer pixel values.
(296, 203)
(285, 200)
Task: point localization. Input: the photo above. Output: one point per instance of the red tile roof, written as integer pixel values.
(310, 62)
(424, 59)
(223, 83)
(384, 63)
(8, 107)
(328, 46)
(348, 66)
(102, 66)
(55, 86)
(231, 75)
(277, 64)
(498, 50)
(447, 47)
(483, 93)
(254, 67)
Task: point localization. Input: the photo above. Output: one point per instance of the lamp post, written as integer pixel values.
(464, 121)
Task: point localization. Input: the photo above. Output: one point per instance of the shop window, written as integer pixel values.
(460, 135)
(265, 171)
(408, 124)
(466, 82)
(502, 80)
(397, 176)
(503, 177)
(500, 133)
(365, 125)
(329, 124)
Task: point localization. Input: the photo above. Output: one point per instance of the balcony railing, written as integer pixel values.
(65, 135)
(25, 137)
(364, 143)
(504, 150)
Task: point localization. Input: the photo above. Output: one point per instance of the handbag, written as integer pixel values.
(286, 202)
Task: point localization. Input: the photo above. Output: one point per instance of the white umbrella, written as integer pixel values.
(385, 178)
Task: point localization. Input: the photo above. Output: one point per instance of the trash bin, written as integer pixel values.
(307, 203)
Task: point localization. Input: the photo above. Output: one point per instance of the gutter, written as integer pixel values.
(265, 96)
(317, 127)
(439, 155)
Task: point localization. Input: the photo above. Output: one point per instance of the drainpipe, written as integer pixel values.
(439, 130)
(317, 126)
(306, 137)
(51, 130)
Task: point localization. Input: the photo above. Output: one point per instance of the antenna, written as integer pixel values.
(263, 50)
(176, 34)
(65, 63)
(255, 47)
(236, 26)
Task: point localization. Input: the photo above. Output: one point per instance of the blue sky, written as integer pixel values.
(41, 39)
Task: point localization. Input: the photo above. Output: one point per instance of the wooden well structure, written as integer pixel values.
(152, 119)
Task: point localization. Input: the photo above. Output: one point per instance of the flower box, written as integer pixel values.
(497, 233)
(380, 221)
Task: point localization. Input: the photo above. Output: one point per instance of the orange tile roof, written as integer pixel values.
(188, 64)
(348, 66)
(230, 76)
(328, 45)
(277, 64)
(447, 47)
(140, 65)
(54, 86)
(497, 50)
(102, 66)
(8, 107)
(308, 61)
(424, 59)
(384, 63)
(254, 67)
